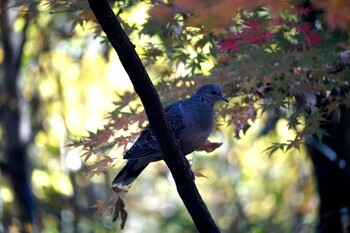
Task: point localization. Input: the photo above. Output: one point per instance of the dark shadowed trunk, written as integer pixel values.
(15, 164)
(331, 160)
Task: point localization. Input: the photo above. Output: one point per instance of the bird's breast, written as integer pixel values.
(192, 141)
(199, 124)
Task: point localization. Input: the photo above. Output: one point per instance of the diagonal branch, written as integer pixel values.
(143, 86)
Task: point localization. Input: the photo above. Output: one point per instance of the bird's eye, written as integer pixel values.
(213, 93)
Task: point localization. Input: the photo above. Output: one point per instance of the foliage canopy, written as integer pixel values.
(270, 60)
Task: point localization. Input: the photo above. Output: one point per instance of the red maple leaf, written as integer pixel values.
(253, 39)
(303, 28)
(258, 38)
(251, 26)
(230, 44)
(267, 35)
(312, 39)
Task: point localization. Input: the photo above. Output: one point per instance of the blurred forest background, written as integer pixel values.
(283, 64)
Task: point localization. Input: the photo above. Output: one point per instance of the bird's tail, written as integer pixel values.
(130, 172)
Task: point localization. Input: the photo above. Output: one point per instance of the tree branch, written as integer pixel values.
(143, 86)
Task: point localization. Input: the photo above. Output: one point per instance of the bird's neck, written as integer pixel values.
(198, 98)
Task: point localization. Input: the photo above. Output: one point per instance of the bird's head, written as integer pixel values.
(211, 93)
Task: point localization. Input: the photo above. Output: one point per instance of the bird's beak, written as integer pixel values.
(224, 99)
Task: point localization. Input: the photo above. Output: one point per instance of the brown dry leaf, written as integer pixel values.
(162, 12)
(223, 12)
(119, 206)
(189, 6)
(89, 15)
(120, 212)
(268, 79)
(198, 173)
(101, 208)
(123, 217)
(277, 6)
(209, 146)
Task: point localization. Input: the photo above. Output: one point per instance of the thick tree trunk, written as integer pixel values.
(15, 164)
(176, 162)
(331, 161)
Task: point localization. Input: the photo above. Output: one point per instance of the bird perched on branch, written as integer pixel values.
(191, 120)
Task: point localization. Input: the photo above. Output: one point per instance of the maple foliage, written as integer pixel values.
(240, 119)
(266, 60)
(199, 13)
(101, 207)
(99, 167)
(115, 205)
(288, 64)
(279, 47)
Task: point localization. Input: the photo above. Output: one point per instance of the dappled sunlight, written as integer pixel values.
(6, 195)
(41, 180)
(116, 74)
(56, 181)
(62, 184)
(73, 161)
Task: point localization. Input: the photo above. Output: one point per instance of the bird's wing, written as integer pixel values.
(175, 117)
(147, 143)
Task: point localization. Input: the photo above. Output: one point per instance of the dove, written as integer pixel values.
(191, 121)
